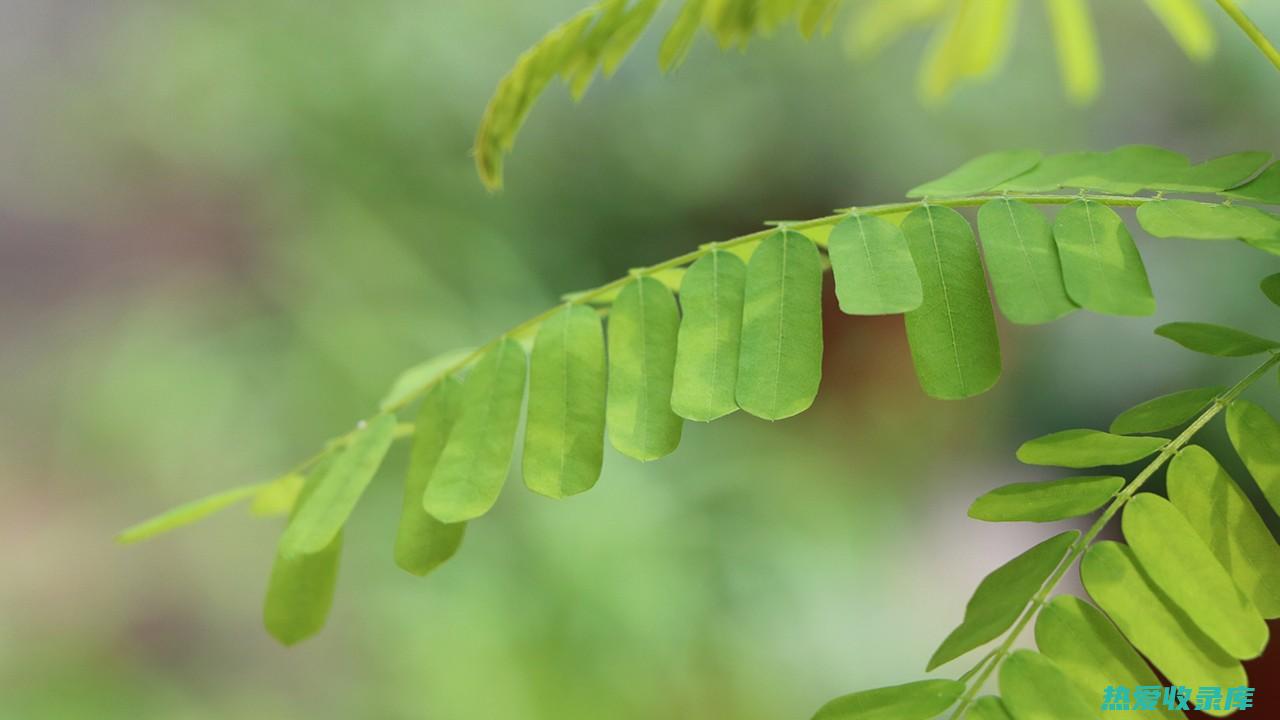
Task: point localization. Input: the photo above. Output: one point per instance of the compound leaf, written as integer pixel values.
(423, 542)
(643, 326)
(979, 174)
(1023, 262)
(921, 700)
(1033, 687)
(1101, 265)
(1217, 340)
(1046, 501)
(706, 372)
(1256, 438)
(872, 267)
(1084, 448)
(1206, 221)
(1164, 412)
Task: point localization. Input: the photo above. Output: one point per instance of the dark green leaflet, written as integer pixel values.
(872, 267)
(423, 542)
(643, 326)
(979, 174)
(1264, 188)
(1164, 412)
(1256, 438)
(1217, 340)
(1091, 651)
(1152, 623)
(300, 590)
(1226, 521)
(185, 514)
(1087, 448)
(988, 707)
(1001, 598)
(1033, 687)
(1100, 264)
(780, 363)
(953, 333)
(1046, 501)
(1206, 221)
(564, 429)
(706, 373)
(335, 494)
(1023, 262)
(922, 700)
(1271, 288)
(475, 460)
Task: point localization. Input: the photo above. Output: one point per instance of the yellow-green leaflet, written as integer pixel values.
(419, 376)
(987, 707)
(780, 363)
(921, 700)
(1179, 563)
(185, 514)
(564, 430)
(1164, 412)
(1023, 262)
(300, 590)
(979, 174)
(1217, 340)
(1001, 597)
(1077, 46)
(879, 22)
(872, 267)
(277, 497)
(475, 461)
(1100, 264)
(643, 326)
(1046, 501)
(817, 14)
(1092, 653)
(1264, 188)
(953, 333)
(423, 542)
(1187, 23)
(1085, 448)
(1206, 221)
(1256, 437)
(1226, 521)
(1152, 623)
(706, 372)
(335, 493)
(675, 46)
(1033, 687)
(971, 44)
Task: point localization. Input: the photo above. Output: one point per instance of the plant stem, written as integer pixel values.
(1082, 544)
(1252, 30)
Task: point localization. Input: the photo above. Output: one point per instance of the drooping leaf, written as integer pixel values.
(1256, 438)
(1264, 188)
(1152, 623)
(1085, 448)
(921, 700)
(419, 376)
(564, 428)
(628, 31)
(1187, 23)
(1179, 563)
(988, 707)
(1217, 340)
(970, 44)
(817, 14)
(1033, 687)
(277, 497)
(1226, 521)
(1164, 412)
(872, 267)
(1092, 653)
(1206, 221)
(475, 461)
(953, 337)
(1046, 501)
(1100, 263)
(643, 327)
(423, 542)
(300, 589)
(316, 522)
(706, 372)
(1077, 46)
(1023, 262)
(1271, 288)
(1002, 596)
(979, 174)
(780, 364)
(877, 23)
(676, 44)
(186, 514)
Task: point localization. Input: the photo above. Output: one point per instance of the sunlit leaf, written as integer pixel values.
(1164, 412)
(1217, 340)
(979, 174)
(817, 14)
(1085, 448)
(1206, 221)
(1188, 25)
(1033, 687)
(643, 327)
(1077, 46)
(186, 514)
(706, 372)
(1100, 263)
(1046, 501)
(423, 542)
(1256, 438)
(972, 43)
(921, 700)
(872, 267)
(876, 23)
(1023, 261)
(419, 376)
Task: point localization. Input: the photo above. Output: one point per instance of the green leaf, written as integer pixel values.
(979, 174)
(1217, 340)
(186, 514)
(1226, 521)
(1092, 653)
(1206, 221)
(953, 333)
(300, 590)
(1077, 46)
(1164, 412)
(1127, 170)
(1033, 687)
(277, 497)
(676, 44)
(419, 376)
(643, 327)
(1264, 188)
(1053, 172)
(423, 542)
(780, 363)
(1023, 262)
(1215, 175)
(564, 430)
(877, 23)
(872, 267)
(1046, 501)
(1271, 288)
(971, 43)
(628, 31)
(1152, 623)
(709, 342)
(1256, 438)
(921, 700)
(1100, 264)
(1179, 563)
(326, 509)
(1087, 448)
(1188, 25)
(988, 707)
(477, 457)
(1002, 596)
(817, 14)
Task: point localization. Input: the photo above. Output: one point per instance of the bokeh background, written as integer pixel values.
(226, 225)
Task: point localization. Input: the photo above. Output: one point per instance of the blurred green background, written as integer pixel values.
(226, 226)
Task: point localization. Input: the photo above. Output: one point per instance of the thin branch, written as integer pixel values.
(1251, 29)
